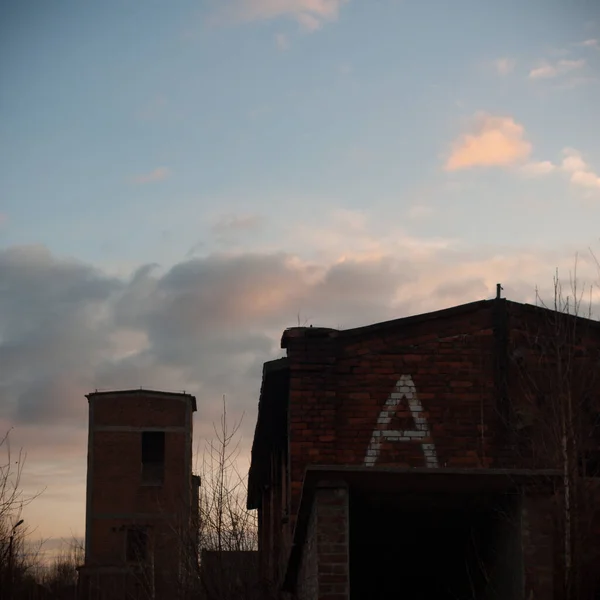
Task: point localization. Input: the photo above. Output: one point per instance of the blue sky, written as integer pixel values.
(358, 114)
(346, 160)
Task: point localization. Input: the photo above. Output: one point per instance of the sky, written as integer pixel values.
(180, 181)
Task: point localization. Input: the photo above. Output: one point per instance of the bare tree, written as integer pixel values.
(215, 545)
(227, 530)
(224, 522)
(60, 578)
(557, 358)
(16, 565)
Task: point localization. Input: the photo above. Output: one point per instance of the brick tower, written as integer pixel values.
(141, 502)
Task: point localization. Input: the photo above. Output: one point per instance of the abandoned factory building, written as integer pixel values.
(142, 499)
(445, 455)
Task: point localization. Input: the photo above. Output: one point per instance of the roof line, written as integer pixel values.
(322, 332)
(460, 309)
(145, 391)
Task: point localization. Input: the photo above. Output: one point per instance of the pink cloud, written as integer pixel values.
(504, 66)
(580, 173)
(548, 71)
(309, 14)
(492, 141)
(538, 169)
(586, 179)
(158, 174)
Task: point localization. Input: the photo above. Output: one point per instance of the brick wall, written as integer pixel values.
(339, 389)
(472, 415)
(454, 391)
(308, 577)
(324, 570)
(118, 499)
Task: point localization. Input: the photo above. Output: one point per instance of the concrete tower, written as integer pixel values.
(141, 503)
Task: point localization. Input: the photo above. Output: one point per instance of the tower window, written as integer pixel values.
(137, 545)
(153, 457)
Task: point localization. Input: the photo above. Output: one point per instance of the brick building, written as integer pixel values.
(445, 455)
(141, 503)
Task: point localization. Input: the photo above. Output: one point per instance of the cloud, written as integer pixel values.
(586, 179)
(3, 219)
(158, 174)
(309, 14)
(537, 169)
(579, 172)
(504, 66)
(207, 324)
(573, 161)
(592, 43)
(199, 325)
(562, 67)
(492, 141)
(57, 321)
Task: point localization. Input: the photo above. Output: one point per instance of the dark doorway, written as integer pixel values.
(439, 546)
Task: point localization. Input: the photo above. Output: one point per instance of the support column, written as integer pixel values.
(537, 536)
(324, 572)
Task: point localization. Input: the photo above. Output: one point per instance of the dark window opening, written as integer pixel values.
(137, 545)
(589, 464)
(153, 457)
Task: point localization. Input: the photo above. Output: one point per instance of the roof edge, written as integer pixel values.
(326, 332)
(146, 392)
(295, 333)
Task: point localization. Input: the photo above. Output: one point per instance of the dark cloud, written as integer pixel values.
(205, 325)
(352, 292)
(52, 331)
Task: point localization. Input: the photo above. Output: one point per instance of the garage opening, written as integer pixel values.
(443, 546)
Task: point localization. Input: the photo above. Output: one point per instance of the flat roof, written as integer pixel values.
(323, 332)
(444, 313)
(144, 392)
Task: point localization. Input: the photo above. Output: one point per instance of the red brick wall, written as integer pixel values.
(141, 410)
(308, 576)
(117, 497)
(339, 390)
(118, 476)
(473, 374)
(324, 570)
